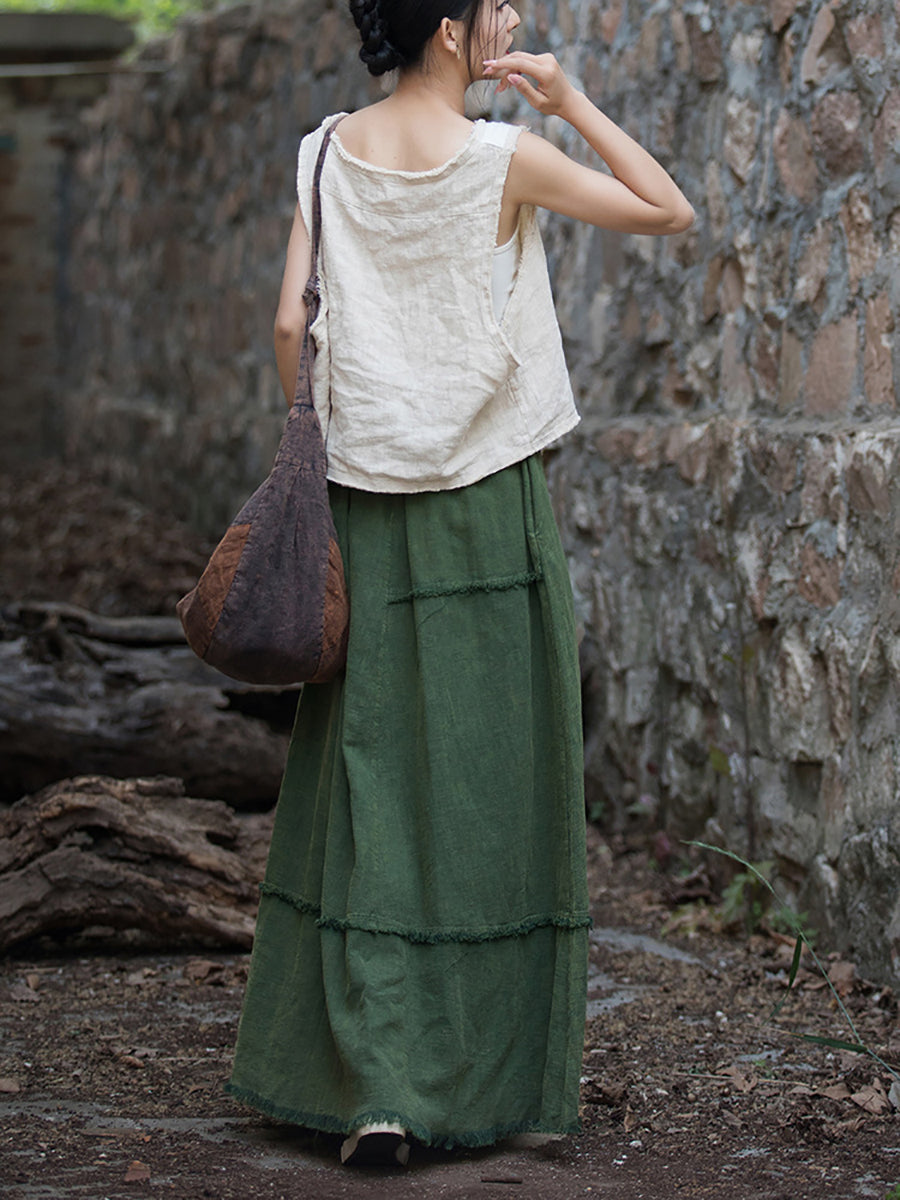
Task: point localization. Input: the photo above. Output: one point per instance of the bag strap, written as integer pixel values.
(304, 389)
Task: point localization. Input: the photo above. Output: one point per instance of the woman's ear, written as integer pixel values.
(449, 36)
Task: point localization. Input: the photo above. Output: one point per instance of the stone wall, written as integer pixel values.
(728, 502)
(187, 197)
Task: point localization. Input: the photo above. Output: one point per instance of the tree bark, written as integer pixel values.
(82, 693)
(130, 854)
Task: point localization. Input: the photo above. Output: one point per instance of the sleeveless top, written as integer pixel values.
(418, 385)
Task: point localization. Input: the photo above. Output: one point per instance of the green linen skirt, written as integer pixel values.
(421, 946)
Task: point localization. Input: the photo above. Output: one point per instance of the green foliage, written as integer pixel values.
(745, 899)
(748, 901)
(718, 760)
(893, 1193)
(785, 920)
(596, 811)
(149, 17)
(857, 1046)
(763, 1068)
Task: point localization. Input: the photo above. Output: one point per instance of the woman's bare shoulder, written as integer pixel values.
(392, 137)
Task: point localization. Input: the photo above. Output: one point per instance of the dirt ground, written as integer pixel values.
(112, 1065)
(112, 1058)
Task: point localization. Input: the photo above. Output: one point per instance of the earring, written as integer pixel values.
(458, 50)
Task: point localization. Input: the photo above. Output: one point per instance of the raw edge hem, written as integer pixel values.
(505, 583)
(328, 1124)
(424, 936)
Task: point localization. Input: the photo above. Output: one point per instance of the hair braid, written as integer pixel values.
(378, 52)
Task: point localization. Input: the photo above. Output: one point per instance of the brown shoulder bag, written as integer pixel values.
(271, 606)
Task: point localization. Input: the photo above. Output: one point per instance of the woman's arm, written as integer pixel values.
(640, 198)
(290, 318)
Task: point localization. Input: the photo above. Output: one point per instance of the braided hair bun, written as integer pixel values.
(378, 52)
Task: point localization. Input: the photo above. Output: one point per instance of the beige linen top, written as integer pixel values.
(418, 386)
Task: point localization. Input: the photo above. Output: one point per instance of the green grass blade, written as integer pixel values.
(795, 966)
(857, 1047)
(832, 1043)
(762, 879)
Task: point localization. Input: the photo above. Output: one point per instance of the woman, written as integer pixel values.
(420, 959)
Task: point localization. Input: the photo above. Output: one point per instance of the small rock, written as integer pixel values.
(813, 65)
(836, 136)
(706, 47)
(740, 148)
(842, 976)
(137, 1172)
(832, 367)
(200, 968)
(792, 146)
(878, 368)
(780, 12)
(23, 994)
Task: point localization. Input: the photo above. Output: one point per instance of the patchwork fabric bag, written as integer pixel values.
(271, 606)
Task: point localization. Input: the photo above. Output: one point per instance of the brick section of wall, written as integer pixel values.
(37, 117)
(729, 501)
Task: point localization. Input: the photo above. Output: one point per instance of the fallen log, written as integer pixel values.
(133, 854)
(81, 693)
(130, 631)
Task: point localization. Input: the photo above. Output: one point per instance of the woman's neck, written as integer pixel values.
(431, 93)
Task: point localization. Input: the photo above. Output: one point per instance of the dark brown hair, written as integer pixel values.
(395, 33)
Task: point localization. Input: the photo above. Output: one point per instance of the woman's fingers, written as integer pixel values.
(535, 98)
(519, 61)
(552, 84)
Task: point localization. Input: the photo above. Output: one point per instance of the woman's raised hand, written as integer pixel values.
(551, 93)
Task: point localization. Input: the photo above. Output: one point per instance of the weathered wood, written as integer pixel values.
(129, 854)
(130, 631)
(124, 697)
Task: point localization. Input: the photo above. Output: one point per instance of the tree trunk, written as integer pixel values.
(129, 854)
(125, 696)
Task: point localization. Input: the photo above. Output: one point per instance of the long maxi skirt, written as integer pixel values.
(421, 946)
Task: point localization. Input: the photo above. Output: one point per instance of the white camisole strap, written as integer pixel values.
(503, 273)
